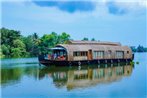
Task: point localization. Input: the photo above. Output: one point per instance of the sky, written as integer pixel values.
(121, 21)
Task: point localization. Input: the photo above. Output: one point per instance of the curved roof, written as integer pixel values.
(69, 47)
(92, 45)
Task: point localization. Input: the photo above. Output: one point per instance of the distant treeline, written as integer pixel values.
(139, 49)
(14, 45)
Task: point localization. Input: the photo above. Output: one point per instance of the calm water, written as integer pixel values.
(23, 78)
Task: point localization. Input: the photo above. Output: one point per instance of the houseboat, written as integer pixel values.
(86, 52)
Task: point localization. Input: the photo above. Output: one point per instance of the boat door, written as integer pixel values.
(90, 54)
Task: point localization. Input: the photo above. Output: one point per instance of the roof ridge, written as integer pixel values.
(93, 42)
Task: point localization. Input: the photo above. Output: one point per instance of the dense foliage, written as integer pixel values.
(139, 49)
(14, 45)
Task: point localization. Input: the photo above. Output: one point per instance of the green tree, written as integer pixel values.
(32, 44)
(16, 52)
(7, 36)
(18, 49)
(35, 36)
(1, 54)
(93, 39)
(63, 38)
(18, 43)
(85, 39)
(5, 50)
(140, 48)
(133, 48)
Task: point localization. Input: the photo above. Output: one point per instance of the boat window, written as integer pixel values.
(119, 54)
(98, 54)
(109, 54)
(80, 53)
(74, 53)
(109, 51)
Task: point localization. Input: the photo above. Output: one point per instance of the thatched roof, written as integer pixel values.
(74, 46)
(82, 47)
(93, 43)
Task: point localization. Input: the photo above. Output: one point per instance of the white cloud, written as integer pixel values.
(134, 3)
(52, 14)
(134, 7)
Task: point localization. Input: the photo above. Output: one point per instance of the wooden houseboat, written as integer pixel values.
(86, 52)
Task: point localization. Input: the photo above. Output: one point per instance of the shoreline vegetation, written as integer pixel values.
(15, 45)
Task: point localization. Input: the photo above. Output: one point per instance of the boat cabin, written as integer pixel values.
(75, 51)
(89, 50)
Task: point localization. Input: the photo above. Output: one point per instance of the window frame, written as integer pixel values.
(79, 53)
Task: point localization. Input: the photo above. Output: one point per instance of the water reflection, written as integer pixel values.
(20, 79)
(13, 75)
(86, 76)
(71, 77)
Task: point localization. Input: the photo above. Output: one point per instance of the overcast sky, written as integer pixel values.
(105, 20)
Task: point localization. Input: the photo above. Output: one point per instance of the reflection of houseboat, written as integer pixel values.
(86, 52)
(74, 78)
